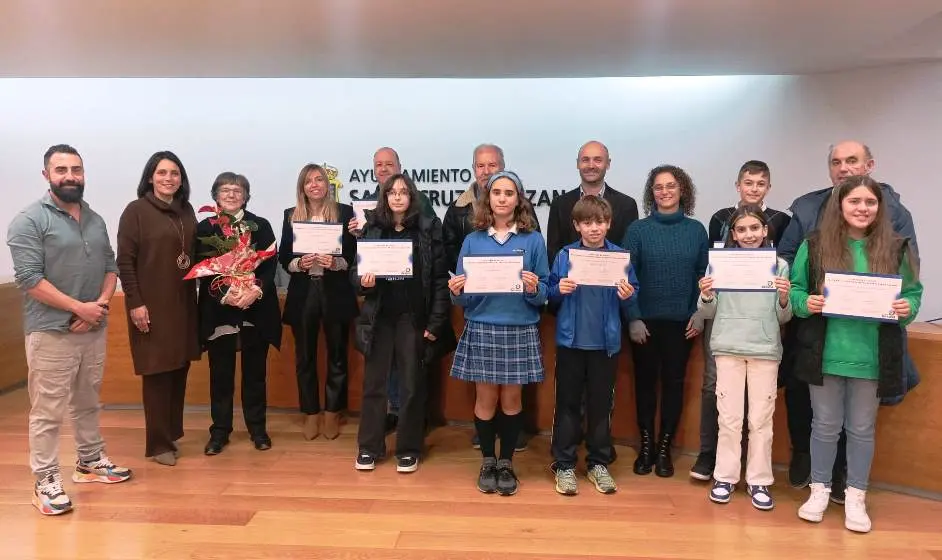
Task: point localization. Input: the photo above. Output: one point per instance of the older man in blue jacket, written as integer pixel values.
(845, 159)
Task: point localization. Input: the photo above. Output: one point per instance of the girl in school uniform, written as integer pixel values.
(499, 350)
(404, 318)
(747, 344)
(850, 363)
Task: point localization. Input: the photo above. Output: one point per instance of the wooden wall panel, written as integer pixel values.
(12, 341)
(909, 436)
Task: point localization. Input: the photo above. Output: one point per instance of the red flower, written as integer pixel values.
(204, 209)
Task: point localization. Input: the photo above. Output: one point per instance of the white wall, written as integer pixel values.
(267, 129)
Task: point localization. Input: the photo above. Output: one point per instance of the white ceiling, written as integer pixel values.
(460, 38)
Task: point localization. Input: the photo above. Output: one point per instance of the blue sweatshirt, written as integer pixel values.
(506, 309)
(670, 253)
(590, 317)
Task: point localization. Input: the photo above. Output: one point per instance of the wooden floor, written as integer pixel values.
(304, 500)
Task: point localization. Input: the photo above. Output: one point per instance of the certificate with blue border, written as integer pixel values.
(598, 267)
(861, 295)
(317, 238)
(384, 258)
(743, 270)
(493, 274)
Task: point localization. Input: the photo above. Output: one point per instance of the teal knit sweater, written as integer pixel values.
(670, 254)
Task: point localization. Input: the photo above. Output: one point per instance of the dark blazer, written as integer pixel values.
(264, 313)
(559, 231)
(341, 296)
(432, 268)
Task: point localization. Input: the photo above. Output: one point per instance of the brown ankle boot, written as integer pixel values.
(331, 425)
(312, 426)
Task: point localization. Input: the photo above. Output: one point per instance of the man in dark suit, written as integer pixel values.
(593, 162)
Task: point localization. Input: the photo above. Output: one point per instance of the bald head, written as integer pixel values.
(593, 162)
(593, 145)
(849, 158)
(385, 164)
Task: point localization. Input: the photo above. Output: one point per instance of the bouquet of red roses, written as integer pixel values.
(232, 257)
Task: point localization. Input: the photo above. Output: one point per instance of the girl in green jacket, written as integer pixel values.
(850, 362)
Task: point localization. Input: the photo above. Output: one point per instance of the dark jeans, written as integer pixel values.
(663, 356)
(589, 374)
(222, 362)
(163, 397)
(336, 335)
(709, 415)
(394, 338)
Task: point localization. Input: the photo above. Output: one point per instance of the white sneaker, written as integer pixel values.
(855, 511)
(813, 510)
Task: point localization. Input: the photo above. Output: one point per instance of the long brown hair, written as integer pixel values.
(302, 212)
(882, 243)
(524, 216)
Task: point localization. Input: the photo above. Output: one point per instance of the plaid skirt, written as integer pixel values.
(499, 354)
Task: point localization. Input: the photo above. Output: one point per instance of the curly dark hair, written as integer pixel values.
(688, 192)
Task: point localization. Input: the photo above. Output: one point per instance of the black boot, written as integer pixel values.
(663, 466)
(645, 460)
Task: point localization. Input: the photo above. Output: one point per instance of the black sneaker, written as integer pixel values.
(838, 487)
(799, 470)
(506, 479)
(522, 440)
(262, 442)
(475, 441)
(365, 462)
(392, 421)
(487, 479)
(407, 464)
(703, 468)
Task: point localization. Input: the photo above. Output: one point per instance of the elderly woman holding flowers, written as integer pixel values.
(238, 308)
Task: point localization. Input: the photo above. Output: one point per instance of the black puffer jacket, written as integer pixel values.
(432, 268)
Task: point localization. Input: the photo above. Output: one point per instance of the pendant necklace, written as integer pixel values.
(183, 260)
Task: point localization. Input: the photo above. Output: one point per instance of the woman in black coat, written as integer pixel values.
(403, 318)
(233, 319)
(319, 293)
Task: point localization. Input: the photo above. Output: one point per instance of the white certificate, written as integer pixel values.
(318, 238)
(384, 258)
(861, 295)
(743, 270)
(493, 274)
(598, 268)
(359, 210)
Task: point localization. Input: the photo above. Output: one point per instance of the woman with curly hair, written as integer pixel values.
(669, 251)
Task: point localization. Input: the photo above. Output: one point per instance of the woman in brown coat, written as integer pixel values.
(156, 241)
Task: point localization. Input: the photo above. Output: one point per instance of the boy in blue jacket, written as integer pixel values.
(588, 339)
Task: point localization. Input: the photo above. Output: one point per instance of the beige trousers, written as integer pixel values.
(65, 373)
(732, 375)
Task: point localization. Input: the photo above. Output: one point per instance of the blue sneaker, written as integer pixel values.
(761, 497)
(722, 492)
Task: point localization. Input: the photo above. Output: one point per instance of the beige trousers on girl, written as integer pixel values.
(732, 375)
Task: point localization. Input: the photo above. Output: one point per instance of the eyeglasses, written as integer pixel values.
(667, 187)
(231, 192)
